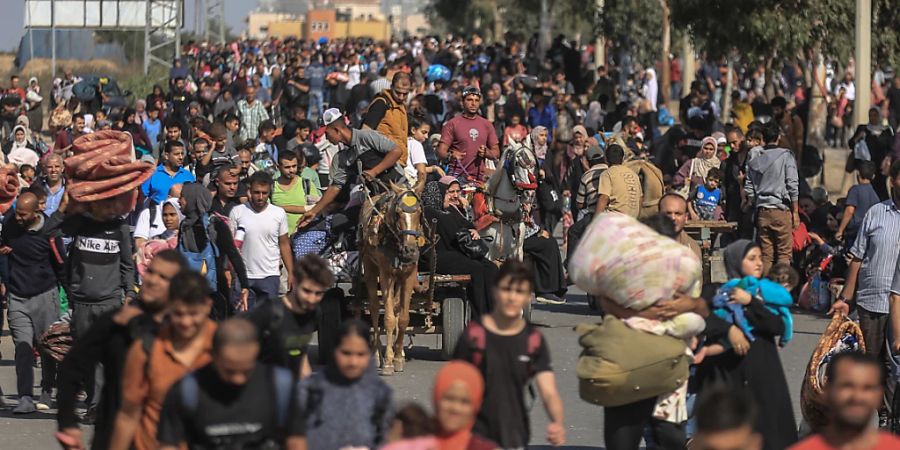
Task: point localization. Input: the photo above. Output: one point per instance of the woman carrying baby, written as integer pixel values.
(749, 353)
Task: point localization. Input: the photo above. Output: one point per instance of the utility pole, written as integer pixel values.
(599, 42)
(53, 39)
(863, 57)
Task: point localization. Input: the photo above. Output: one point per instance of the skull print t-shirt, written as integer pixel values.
(466, 136)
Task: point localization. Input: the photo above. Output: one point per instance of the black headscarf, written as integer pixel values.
(734, 256)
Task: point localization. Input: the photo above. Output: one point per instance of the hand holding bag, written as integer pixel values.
(473, 248)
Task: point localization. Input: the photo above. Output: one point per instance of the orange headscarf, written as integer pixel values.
(451, 373)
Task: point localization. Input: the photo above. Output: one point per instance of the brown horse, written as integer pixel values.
(389, 248)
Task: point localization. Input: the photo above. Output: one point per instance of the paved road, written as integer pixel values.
(584, 421)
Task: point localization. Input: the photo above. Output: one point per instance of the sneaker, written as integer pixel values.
(550, 299)
(45, 402)
(25, 406)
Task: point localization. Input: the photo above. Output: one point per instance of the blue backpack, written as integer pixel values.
(204, 261)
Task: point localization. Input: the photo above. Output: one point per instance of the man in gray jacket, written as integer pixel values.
(773, 189)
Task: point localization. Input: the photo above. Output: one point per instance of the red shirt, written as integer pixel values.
(466, 136)
(886, 441)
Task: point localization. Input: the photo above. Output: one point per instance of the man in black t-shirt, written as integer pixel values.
(286, 325)
(510, 352)
(244, 404)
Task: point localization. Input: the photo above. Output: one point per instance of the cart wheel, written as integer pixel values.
(454, 324)
(330, 317)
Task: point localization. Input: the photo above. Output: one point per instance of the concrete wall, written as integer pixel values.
(320, 23)
(375, 29)
(288, 28)
(258, 22)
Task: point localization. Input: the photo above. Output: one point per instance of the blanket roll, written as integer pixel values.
(9, 188)
(103, 170)
(627, 262)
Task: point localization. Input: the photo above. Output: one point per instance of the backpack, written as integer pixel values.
(203, 261)
(282, 380)
(476, 336)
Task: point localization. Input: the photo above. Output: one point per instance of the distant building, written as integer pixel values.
(258, 22)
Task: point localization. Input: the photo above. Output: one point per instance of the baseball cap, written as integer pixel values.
(330, 115)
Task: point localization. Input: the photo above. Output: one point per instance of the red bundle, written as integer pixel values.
(9, 188)
(103, 172)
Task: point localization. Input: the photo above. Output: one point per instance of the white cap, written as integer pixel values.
(330, 115)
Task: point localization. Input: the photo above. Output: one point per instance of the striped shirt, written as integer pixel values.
(877, 245)
(586, 197)
(251, 117)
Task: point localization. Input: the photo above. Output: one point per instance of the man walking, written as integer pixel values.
(852, 395)
(870, 276)
(53, 182)
(262, 230)
(620, 188)
(100, 271)
(107, 343)
(252, 114)
(170, 171)
(244, 404)
(35, 270)
(773, 189)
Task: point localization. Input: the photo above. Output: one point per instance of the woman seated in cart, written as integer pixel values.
(456, 236)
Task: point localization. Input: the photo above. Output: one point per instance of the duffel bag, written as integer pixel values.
(620, 365)
(312, 239)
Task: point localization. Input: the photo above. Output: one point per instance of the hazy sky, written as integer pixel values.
(12, 20)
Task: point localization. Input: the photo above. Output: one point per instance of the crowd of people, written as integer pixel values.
(191, 317)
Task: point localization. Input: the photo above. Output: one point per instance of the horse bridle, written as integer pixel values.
(392, 209)
(407, 209)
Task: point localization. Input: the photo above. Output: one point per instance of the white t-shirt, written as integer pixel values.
(259, 233)
(143, 228)
(416, 155)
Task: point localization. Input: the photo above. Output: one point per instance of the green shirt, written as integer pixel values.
(290, 196)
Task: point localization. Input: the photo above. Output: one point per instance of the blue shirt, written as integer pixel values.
(877, 245)
(157, 187)
(862, 197)
(53, 200)
(153, 129)
(545, 118)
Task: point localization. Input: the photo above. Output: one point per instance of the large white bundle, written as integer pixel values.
(627, 262)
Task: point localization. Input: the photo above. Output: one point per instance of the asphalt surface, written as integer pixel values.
(584, 422)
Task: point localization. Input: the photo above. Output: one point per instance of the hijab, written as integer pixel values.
(197, 201)
(734, 256)
(540, 151)
(702, 165)
(452, 373)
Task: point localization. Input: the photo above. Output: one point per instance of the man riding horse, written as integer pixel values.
(389, 219)
(377, 155)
